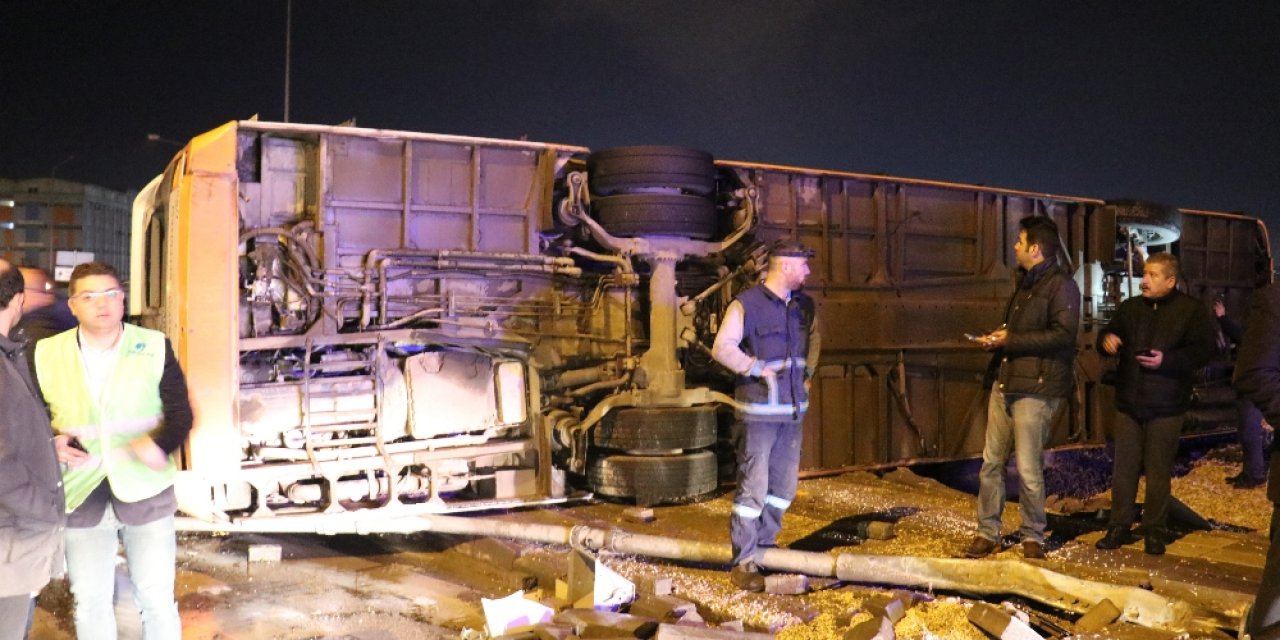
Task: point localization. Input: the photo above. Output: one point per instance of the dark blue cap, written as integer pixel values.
(787, 248)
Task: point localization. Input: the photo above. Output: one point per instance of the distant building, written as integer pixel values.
(55, 224)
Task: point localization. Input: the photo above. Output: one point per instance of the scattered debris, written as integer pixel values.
(664, 608)
(680, 632)
(547, 568)
(611, 590)
(875, 530)
(732, 625)
(787, 584)
(1101, 615)
(501, 554)
(877, 628)
(656, 585)
(588, 623)
(893, 607)
(639, 514)
(265, 553)
(504, 614)
(1000, 623)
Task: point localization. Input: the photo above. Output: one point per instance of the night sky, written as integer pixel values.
(1173, 102)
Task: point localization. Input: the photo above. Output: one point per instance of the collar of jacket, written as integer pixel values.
(10, 346)
(1029, 278)
(1173, 293)
(773, 296)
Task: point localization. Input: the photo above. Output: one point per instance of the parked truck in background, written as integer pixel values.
(372, 319)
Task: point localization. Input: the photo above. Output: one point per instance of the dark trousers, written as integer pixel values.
(1149, 445)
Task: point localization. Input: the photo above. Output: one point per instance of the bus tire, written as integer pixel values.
(653, 479)
(657, 430)
(657, 214)
(630, 169)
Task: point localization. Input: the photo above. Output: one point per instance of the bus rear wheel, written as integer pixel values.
(654, 479)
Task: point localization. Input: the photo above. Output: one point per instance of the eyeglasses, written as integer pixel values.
(91, 296)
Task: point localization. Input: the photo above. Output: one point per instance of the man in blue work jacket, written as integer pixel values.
(769, 337)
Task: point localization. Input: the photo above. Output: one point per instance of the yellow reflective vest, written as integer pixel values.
(128, 408)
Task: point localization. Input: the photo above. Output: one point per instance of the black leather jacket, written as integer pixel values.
(1257, 373)
(1179, 326)
(32, 509)
(1043, 319)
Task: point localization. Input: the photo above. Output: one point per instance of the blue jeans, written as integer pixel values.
(15, 616)
(150, 553)
(1252, 440)
(1018, 424)
(768, 470)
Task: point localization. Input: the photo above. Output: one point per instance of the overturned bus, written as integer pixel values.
(375, 319)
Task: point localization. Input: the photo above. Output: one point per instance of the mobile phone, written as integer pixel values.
(1146, 353)
(74, 443)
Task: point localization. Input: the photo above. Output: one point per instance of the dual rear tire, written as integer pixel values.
(654, 456)
(654, 190)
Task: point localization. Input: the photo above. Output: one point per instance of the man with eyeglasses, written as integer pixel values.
(119, 405)
(31, 501)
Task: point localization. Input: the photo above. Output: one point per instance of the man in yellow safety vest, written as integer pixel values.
(119, 404)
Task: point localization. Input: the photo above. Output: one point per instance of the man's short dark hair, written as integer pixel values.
(87, 269)
(1043, 232)
(11, 283)
(1172, 267)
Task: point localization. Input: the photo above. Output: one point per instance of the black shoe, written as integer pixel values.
(1032, 550)
(981, 547)
(1115, 538)
(1242, 481)
(1152, 545)
(747, 577)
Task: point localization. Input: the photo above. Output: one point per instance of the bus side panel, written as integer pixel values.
(201, 298)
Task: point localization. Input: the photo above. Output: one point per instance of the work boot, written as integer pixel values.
(747, 577)
(1032, 550)
(980, 547)
(1115, 538)
(1153, 543)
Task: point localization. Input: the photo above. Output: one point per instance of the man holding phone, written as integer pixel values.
(1162, 338)
(119, 403)
(1035, 352)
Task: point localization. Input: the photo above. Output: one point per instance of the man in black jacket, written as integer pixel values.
(1162, 338)
(1257, 376)
(31, 500)
(1253, 468)
(1034, 355)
